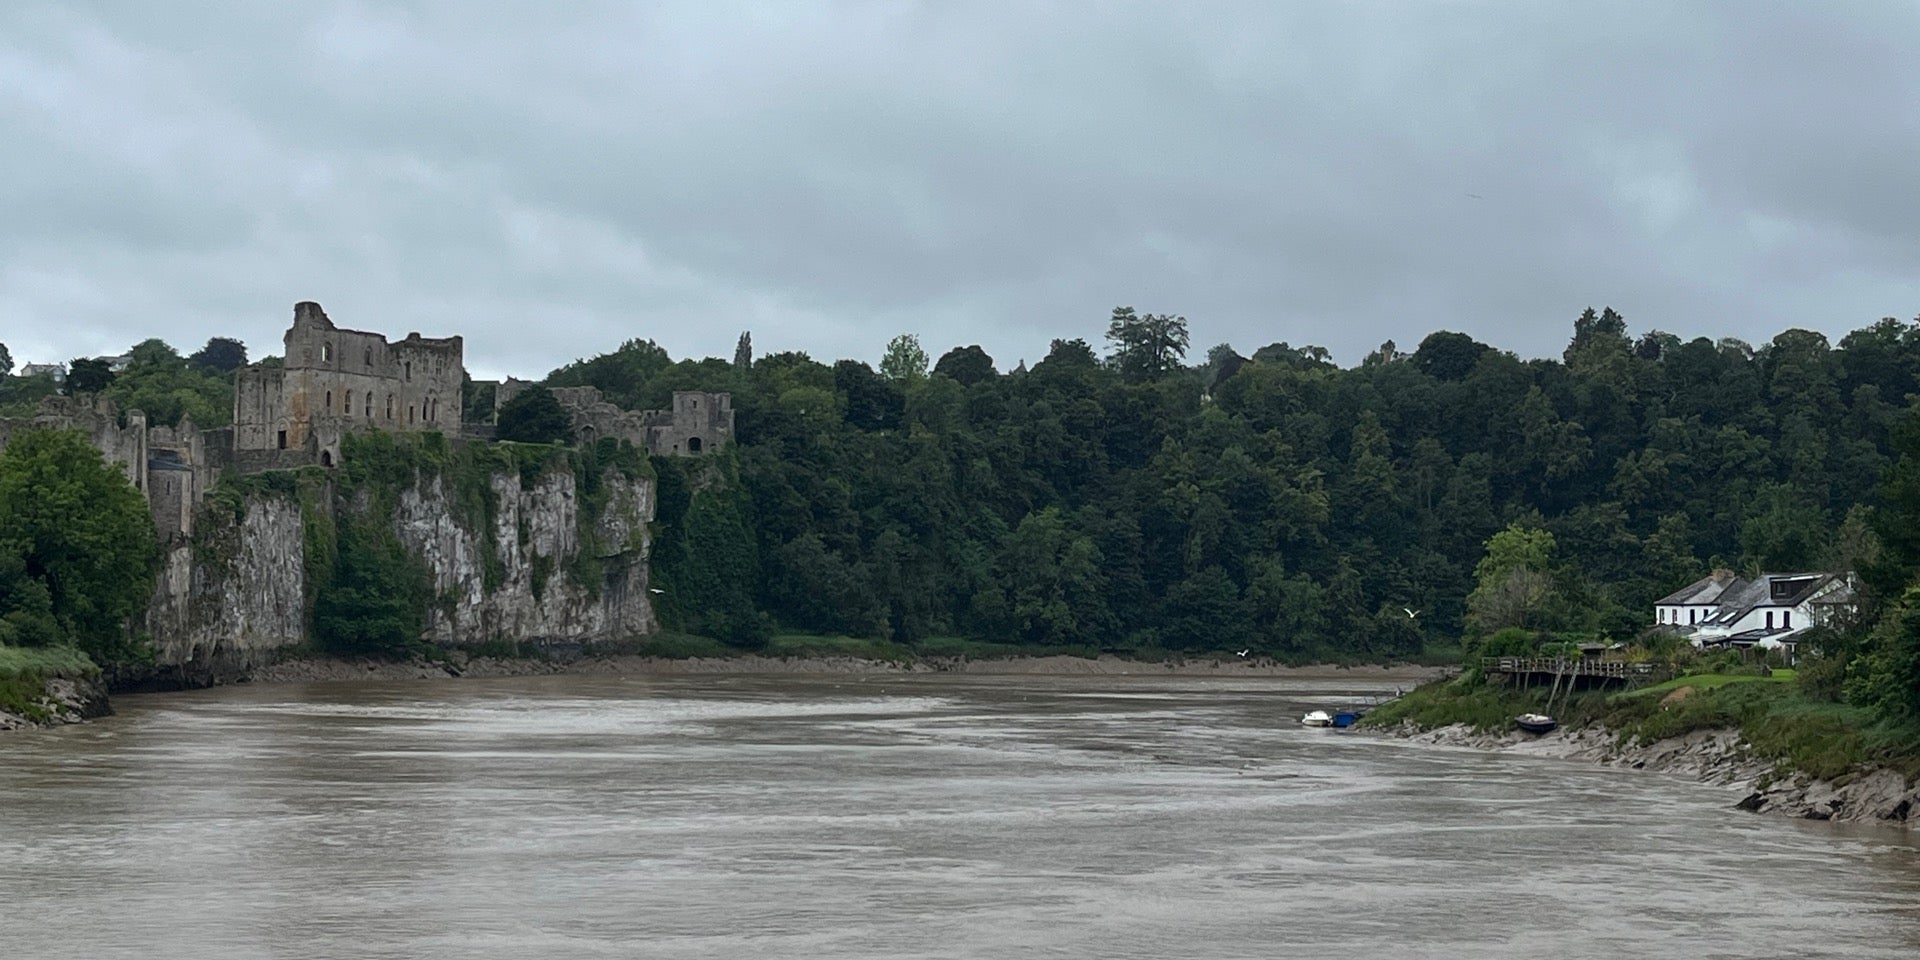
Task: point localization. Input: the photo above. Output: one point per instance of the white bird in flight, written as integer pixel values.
(1411, 613)
(655, 590)
(1245, 652)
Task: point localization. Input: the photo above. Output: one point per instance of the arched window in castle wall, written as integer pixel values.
(389, 406)
(369, 407)
(329, 401)
(693, 444)
(346, 402)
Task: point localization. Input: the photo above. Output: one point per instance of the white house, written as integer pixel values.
(58, 371)
(1771, 610)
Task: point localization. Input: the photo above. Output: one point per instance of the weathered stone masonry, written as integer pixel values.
(334, 380)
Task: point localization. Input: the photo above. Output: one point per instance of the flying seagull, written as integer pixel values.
(1245, 652)
(655, 590)
(1411, 613)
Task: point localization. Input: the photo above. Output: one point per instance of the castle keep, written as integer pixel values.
(334, 380)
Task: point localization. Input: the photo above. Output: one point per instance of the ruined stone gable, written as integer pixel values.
(333, 380)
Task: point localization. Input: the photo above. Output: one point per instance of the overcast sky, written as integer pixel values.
(549, 180)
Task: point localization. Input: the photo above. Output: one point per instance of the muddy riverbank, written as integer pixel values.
(1710, 756)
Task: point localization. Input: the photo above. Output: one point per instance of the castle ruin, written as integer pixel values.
(699, 422)
(331, 381)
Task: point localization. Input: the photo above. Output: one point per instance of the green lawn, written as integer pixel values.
(44, 662)
(1705, 681)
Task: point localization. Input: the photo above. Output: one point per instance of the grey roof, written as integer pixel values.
(1735, 603)
(1703, 590)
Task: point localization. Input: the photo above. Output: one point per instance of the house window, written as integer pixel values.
(1769, 619)
(1693, 617)
(1786, 619)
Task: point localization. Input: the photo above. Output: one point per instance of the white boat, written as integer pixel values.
(1317, 718)
(1535, 722)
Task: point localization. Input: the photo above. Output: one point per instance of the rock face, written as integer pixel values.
(64, 701)
(238, 596)
(233, 597)
(540, 545)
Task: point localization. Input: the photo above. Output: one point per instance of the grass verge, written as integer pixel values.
(39, 662)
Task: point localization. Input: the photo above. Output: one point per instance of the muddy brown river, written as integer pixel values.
(891, 816)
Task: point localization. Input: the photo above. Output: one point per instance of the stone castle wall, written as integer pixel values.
(698, 423)
(334, 380)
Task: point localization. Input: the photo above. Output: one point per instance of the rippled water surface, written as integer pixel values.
(769, 817)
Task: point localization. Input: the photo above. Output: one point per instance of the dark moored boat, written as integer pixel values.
(1535, 722)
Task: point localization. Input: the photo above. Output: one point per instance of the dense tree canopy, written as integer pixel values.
(168, 388)
(1294, 507)
(221, 355)
(89, 375)
(535, 416)
(76, 545)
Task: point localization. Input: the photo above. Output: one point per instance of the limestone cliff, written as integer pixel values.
(557, 582)
(233, 596)
(538, 546)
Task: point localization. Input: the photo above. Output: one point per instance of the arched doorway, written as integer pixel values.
(326, 458)
(693, 444)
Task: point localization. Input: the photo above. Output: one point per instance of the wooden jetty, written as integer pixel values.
(1529, 668)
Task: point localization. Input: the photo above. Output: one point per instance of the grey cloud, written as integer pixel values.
(550, 182)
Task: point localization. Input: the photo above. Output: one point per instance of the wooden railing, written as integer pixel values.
(1569, 667)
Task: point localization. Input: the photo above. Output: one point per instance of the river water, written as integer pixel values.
(890, 816)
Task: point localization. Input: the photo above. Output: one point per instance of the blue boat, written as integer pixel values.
(1347, 718)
